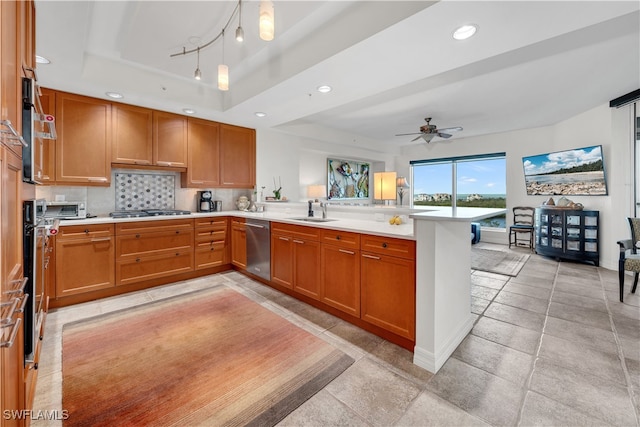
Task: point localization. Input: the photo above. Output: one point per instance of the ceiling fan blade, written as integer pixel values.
(453, 129)
(405, 134)
(444, 135)
(416, 138)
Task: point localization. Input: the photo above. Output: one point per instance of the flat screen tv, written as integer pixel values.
(578, 172)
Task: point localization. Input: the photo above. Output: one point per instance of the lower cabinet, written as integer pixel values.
(211, 242)
(84, 259)
(152, 249)
(340, 271)
(295, 255)
(239, 243)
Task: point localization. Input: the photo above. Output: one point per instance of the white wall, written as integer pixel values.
(604, 126)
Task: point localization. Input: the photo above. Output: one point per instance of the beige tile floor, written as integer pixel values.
(552, 346)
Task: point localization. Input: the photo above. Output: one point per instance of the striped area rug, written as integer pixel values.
(209, 358)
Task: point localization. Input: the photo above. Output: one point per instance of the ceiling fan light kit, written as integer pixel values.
(266, 31)
(429, 131)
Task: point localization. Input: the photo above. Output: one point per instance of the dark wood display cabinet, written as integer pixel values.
(569, 234)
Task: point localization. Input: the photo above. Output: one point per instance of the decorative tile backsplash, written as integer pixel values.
(136, 191)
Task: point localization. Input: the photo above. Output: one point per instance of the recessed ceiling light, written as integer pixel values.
(189, 110)
(324, 89)
(42, 60)
(260, 114)
(465, 31)
(114, 95)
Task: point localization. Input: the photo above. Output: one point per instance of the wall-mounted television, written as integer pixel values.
(578, 172)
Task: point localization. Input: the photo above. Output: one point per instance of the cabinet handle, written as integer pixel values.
(384, 245)
(7, 320)
(97, 179)
(18, 289)
(137, 259)
(86, 231)
(177, 231)
(286, 239)
(142, 162)
(137, 236)
(337, 237)
(298, 241)
(24, 304)
(14, 333)
(344, 251)
(161, 163)
(228, 183)
(177, 253)
(193, 181)
(13, 134)
(370, 256)
(103, 239)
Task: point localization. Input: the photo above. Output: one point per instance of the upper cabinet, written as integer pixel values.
(203, 170)
(169, 140)
(237, 157)
(132, 135)
(83, 147)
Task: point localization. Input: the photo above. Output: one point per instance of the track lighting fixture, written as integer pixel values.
(266, 31)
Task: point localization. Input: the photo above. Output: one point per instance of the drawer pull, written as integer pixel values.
(103, 239)
(14, 305)
(86, 231)
(97, 180)
(286, 239)
(370, 256)
(337, 237)
(384, 245)
(137, 236)
(177, 231)
(18, 289)
(298, 241)
(14, 333)
(137, 259)
(24, 304)
(344, 251)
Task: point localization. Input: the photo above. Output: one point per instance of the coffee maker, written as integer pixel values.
(205, 204)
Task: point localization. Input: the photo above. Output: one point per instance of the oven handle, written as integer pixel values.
(24, 304)
(20, 288)
(14, 333)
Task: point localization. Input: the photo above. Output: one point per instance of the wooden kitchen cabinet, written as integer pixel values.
(132, 135)
(295, 258)
(388, 284)
(237, 157)
(340, 271)
(84, 258)
(10, 71)
(203, 154)
(170, 135)
(239, 243)
(211, 242)
(83, 147)
(151, 249)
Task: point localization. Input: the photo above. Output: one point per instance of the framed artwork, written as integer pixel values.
(347, 179)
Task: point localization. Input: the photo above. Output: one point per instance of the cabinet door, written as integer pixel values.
(282, 260)
(132, 129)
(83, 147)
(10, 82)
(203, 170)
(239, 245)
(306, 261)
(169, 140)
(48, 102)
(94, 254)
(237, 157)
(340, 279)
(11, 231)
(388, 293)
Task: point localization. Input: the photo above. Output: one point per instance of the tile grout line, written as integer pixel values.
(620, 352)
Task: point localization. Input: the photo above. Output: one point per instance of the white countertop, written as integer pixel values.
(460, 214)
(380, 228)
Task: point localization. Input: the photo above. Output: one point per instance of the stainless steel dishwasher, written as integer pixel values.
(259, 247)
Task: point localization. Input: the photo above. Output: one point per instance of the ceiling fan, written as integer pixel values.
(429, 131)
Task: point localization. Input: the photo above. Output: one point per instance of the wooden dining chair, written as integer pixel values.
(522, 224)
(629, 256)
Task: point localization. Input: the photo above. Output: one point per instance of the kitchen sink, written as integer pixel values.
(312, 219)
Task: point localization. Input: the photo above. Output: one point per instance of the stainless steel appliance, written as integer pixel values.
(34, 243)
(259, 247)
(205, 203)
(217, 205)
(147, 212)
(66, 210)
(36, 127)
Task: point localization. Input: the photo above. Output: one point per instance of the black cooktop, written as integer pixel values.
(147, 212)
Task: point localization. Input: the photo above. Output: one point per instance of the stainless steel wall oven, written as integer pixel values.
(35, 238)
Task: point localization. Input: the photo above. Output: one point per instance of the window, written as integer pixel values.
(471, 181)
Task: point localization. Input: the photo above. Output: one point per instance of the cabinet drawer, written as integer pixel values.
(151, 226)
(79, 231)
(153, 243)
(131, 270)
(211, 235)
(217, 222)
(210, 255)
(341, 238)
(300, 231)
(389, 246)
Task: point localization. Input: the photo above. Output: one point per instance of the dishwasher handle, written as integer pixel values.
(255, 225)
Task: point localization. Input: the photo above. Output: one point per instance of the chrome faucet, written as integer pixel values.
(324, 210)
(310, 208)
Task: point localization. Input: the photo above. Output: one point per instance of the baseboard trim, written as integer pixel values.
(433, 361)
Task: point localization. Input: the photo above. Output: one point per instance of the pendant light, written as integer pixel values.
(239, 30)
(198, 75)
(223, 71)
(267, 25)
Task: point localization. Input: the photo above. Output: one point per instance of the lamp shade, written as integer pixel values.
(223, 77)
(267, 25)
(401, 182)
(316, 191)
(384, 185)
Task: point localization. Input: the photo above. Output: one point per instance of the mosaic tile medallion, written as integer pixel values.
(135, 191)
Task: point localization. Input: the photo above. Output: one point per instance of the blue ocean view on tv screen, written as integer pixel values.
(578, 172)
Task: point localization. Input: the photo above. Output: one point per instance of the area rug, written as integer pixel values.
(207, 358)
(500, 262)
